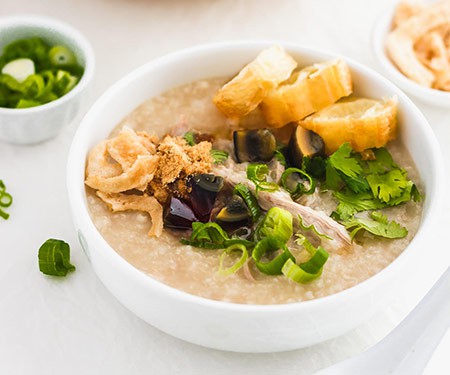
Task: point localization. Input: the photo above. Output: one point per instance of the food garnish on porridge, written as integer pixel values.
(293, 187)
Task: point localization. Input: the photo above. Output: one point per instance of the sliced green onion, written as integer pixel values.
(189, 137)
(34, 86)
(297, 274)
(310, 270)
(312, 228)
(269, 245)
(218, 156)
(279, 155)
(61, 56)
(315, 264)
(5, 200)
(300, 188)
(54, 258)
(4, 215)
(238, 264)
(276, 223)
(19, 69)
(207, 235)
(26, 103)
(257, 173)
(249, 200)
(64, 82)
(303, 241)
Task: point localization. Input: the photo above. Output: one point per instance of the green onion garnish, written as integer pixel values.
(207, 235)
(269, 245)
(189, 137)
(218, 156)
(257, 173)
(307, 271)
(276, 223)
(249, 200)
(54, 258)
(238, 264)
(33, 73)
(300, 187)
(312, 228)
(6, 200)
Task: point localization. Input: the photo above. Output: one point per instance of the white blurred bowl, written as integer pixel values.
(425, 94)
(37, 124)
(230, 326)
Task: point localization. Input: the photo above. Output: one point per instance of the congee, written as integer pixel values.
(276, 186)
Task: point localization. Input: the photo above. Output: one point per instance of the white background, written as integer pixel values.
(73, 325)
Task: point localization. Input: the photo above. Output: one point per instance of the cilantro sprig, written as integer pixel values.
(377, 224)
(361, 185)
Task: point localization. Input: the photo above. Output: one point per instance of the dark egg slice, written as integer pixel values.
(304, 142)
(254, 145)
(179, 215)
(204, 190)
(235, 211)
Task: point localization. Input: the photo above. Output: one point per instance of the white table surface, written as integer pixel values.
(74, 325)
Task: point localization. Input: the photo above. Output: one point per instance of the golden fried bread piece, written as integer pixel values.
(306, 92)
(244, 92)
(364, 123)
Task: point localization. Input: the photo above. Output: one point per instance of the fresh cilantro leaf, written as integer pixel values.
(389, 185)
(383, 162)
(377, 224)
(315, 167)
(343, 161)
(333, 180)
(357, 184)
(350, 203)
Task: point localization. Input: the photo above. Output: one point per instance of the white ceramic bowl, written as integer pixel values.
(228, 326)
(36, 124)
(424, 94)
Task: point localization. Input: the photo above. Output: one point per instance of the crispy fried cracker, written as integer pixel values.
(144, 203)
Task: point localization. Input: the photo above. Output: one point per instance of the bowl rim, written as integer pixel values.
(62, 28)
(80, 211)
(379, 33)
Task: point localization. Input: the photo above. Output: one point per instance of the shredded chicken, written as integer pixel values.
(323, 223)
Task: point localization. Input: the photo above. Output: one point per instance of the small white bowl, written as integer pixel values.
(36, 124)
(231, 326)
(425, 94)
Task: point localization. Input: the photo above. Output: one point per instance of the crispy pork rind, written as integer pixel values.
(101, 164)
(306, 92)
(400, 44)
(404, 11)
(137, 177)
(127, 146)
(140, 161)
(244, 92)
(144, 203)
(364, 123)
(432, 52)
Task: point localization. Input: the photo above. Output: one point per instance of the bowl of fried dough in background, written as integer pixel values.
(245, 327)
(381, 31)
